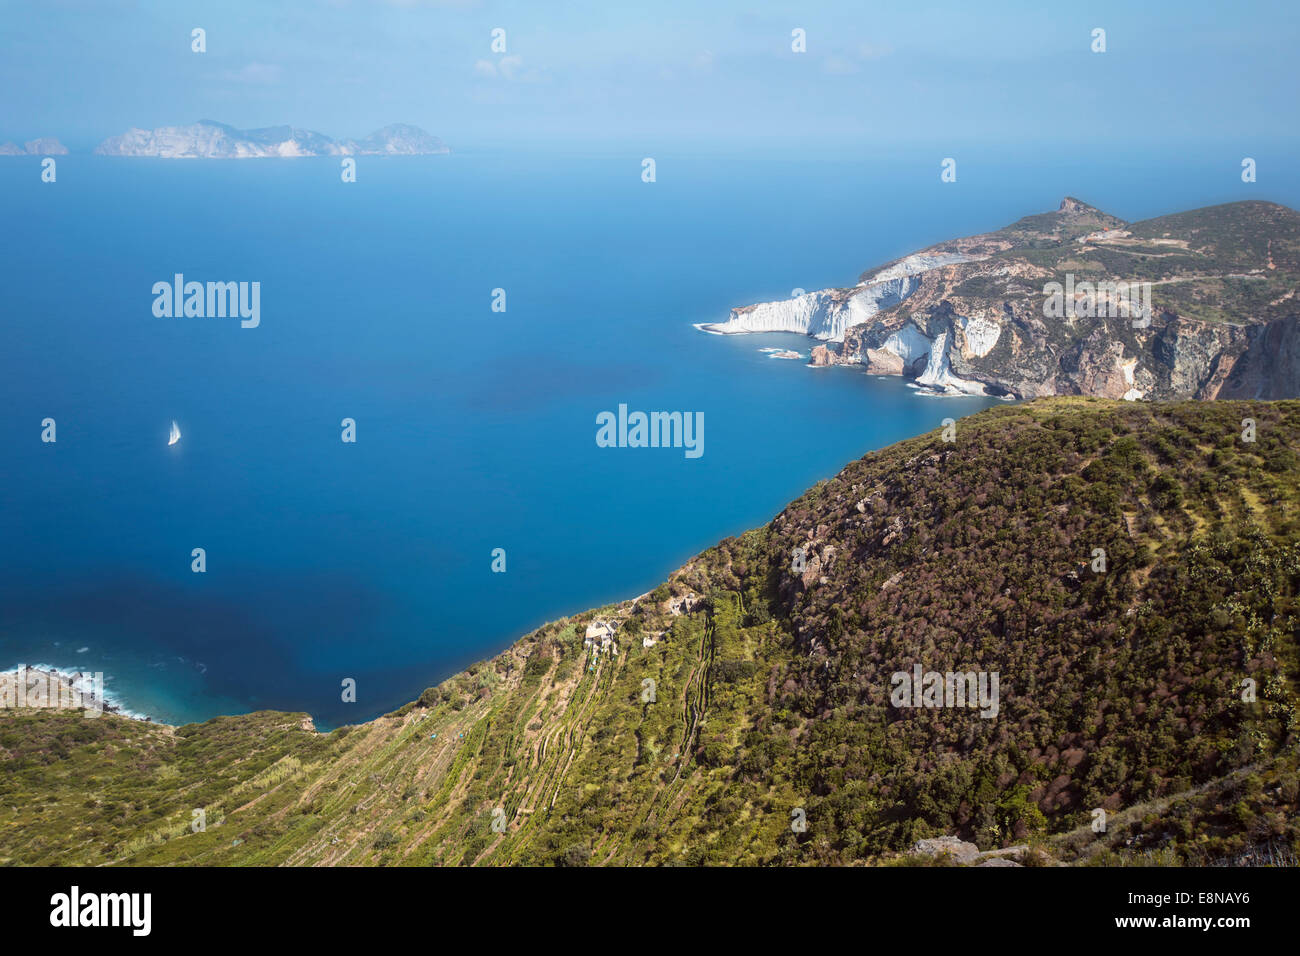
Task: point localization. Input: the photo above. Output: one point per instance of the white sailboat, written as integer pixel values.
(175, 436)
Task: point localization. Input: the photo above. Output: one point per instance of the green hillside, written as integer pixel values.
(1237, 262)
(1120, 689)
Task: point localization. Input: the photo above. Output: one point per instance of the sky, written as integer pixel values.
(712, 73)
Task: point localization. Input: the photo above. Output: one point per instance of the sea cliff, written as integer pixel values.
(978, 315)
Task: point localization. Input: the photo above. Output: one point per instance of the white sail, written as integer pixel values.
(175, 435)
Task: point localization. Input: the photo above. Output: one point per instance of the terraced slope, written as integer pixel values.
(743, 690)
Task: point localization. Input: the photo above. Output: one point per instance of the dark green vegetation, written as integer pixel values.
(1220, 264)
(1119, 689)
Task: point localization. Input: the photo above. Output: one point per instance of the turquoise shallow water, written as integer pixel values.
(476, 429)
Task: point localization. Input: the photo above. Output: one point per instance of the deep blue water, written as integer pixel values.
(476, 430)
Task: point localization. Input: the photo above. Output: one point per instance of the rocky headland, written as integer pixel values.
(976, 315)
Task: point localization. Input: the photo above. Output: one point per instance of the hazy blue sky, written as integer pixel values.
(659, 73)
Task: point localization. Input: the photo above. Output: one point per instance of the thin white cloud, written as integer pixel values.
(846, 64)
(506, 67)
(253, 74)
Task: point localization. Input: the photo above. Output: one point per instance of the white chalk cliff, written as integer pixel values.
(938, 372)
(974, 315)
(909, 343)
(829, 313)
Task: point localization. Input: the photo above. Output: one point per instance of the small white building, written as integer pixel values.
(600, 636)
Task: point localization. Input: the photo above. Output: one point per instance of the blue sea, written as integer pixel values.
(475, 429)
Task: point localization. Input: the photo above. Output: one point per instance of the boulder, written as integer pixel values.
(957, 849)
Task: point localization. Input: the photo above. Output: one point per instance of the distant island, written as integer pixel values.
(44, 146)
(1046, 306)
(210, 140)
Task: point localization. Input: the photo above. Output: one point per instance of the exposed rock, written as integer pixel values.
(958, 850)
(823, 315)
(1268, 367)
(883, 362)
(685, 604)
(822, 355)
(1017, 851)
(1218, 316)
